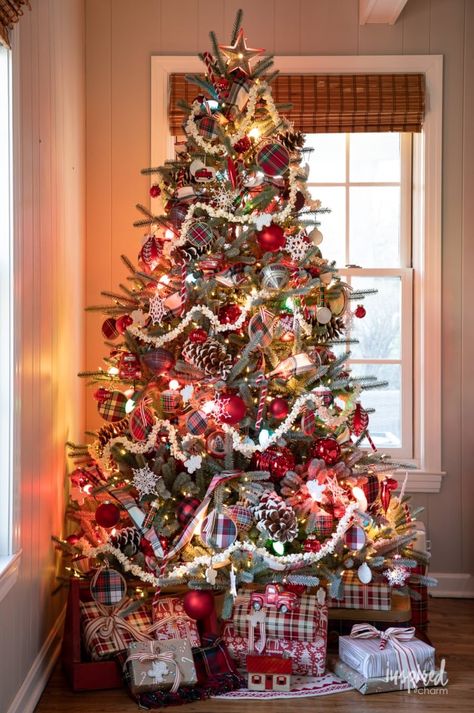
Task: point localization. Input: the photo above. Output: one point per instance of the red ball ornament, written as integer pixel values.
(229, 314)
(198, 336)
(360, 311)
(271, 238)
(279, 408)
(109, 329)
(155, 191)
(234, 409)
(276, 459)
(73, 539)
(123, 323)
(311, 544)
(107, 515)
(326, 448)
(198, 604)
(101, 394)
(242, 145)
(186, 509)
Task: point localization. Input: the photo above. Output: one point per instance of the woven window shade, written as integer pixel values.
(10, 13)
(333, 103)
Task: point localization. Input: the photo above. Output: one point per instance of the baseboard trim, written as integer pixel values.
(33, 686)
(452, 584)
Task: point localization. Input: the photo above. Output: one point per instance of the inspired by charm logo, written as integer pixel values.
(430, 682)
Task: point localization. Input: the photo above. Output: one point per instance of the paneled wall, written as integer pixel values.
(49, 172)
(121, 37)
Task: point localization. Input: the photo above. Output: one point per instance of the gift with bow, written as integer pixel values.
(156, 665)
(377, 653)
(106, 630)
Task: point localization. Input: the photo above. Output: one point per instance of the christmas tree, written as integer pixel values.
(233, 445)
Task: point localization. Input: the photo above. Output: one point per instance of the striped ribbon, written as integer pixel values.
(396, 635)
(139, 519)
(183, 290)
(110, 624)
(152, 655)
(208, 61)
(142, 406)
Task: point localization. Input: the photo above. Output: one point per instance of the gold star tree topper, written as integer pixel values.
(239, 55)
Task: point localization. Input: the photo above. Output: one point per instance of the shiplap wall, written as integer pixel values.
(49, 173)
(121, 37)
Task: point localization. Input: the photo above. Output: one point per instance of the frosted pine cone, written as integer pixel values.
(276, 518)
(127, 541)
(210, 357)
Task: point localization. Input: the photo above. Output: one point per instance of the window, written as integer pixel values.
(365, 179)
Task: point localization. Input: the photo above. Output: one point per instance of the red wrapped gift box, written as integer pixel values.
(170, 621)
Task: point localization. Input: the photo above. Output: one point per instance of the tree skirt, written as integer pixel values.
(301, 687)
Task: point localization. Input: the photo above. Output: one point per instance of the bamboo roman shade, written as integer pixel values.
(331, 103)
(10, 12)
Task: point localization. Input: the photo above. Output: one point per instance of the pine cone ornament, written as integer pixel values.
(111, 430)
(210, 357)
(127, 541)
(276, 518)
(292, 140)
(191, 252)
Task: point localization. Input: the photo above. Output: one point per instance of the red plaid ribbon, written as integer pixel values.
(262, 323)
(273, 159)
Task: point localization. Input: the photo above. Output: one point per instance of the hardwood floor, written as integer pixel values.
(451, 631)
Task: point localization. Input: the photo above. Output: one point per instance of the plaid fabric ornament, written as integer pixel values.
(197, 423)
(178, 214)
(159, 361)
(140, 423)
(262, 323)
(354, 538)
(323, 524)
(112, 408)
(108, 587)
(186, 508)
(242, 516)
(273, 159)
(170, 401)
(371, 488)
(218, 530)
(109, 329)
(207, 127)
(237, 95)
(308, 422)
(199, 234)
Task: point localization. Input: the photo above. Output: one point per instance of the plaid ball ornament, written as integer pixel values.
(323, 524)
(207, 128)
(199, 234)
(170, 401)
(140, 423)
(197, 422)
(218, 530)
(108, 587)
(186, 508)
(109, 329)
(354, 538)
(273, 159)
(112, 408)
(158, 361)
(242, 516)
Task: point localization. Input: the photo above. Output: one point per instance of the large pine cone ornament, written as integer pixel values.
(127, 541)
(292, 140)
(276, 518)
(210, 357)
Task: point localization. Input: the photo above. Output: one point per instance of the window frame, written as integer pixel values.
(426, 475)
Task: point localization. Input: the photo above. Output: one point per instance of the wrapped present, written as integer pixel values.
(106, 630)
(307, 620)
(308, 657)
(170, 621)
(212, 659)
(383, 685)
(418, 598)
(158, 665)
(376, 595)
(375, 653)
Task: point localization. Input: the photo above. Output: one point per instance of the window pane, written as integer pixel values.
(375, 226)
(375, 157)
(328, 160)
(333, 225)
(385, 422)
(379, 331)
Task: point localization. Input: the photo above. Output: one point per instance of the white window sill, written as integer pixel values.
(9, 568)
(421, 481)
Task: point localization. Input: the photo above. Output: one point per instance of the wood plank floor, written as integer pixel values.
(451, 631)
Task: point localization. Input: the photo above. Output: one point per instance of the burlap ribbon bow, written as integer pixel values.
(152, 655)
(396, 635)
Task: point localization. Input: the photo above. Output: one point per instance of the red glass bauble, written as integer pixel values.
(279, 408)
(107, 515)
(155, 191)
(299, 201)
(387, 486)
(271, 239)
(198, 336)
(234, 409)
(311, 544)
(198, 604)
(229, 314)
(242, 145)
(186, 508)
(360, 311)
(123, 323)
(276, 459)
(73, 539)
(101, 394)
(326, 448)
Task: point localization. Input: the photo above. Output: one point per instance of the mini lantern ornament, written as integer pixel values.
(107, 515)
(271, 238)
(326, 448)
(279, 408)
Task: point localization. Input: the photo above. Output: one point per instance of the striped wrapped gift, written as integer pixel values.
(376, 595)
(308, 620)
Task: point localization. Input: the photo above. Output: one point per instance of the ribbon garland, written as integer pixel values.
(396, 635)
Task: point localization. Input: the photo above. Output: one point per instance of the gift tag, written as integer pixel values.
(108, 587)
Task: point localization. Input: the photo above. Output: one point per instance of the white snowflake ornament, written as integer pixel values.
(193, 463)
(397, 576)
(187, 393)
(297, 246)
(144, 480)
(223, 199)
(157, 309)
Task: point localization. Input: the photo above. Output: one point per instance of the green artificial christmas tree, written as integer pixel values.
(231, 451)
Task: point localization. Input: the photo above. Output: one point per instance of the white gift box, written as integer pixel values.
(366, 656)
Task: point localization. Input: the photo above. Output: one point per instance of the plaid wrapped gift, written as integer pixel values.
(197, 423)
(207, 127)
(419, 604)
(218, 530)
(212, 659)
(108, 587)
(273, 159)
(308, 657)
(108, 631)
(308, 620)
(170, 621)
(155, 665)
(199, 234)
(376, 595)
(113, 408)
